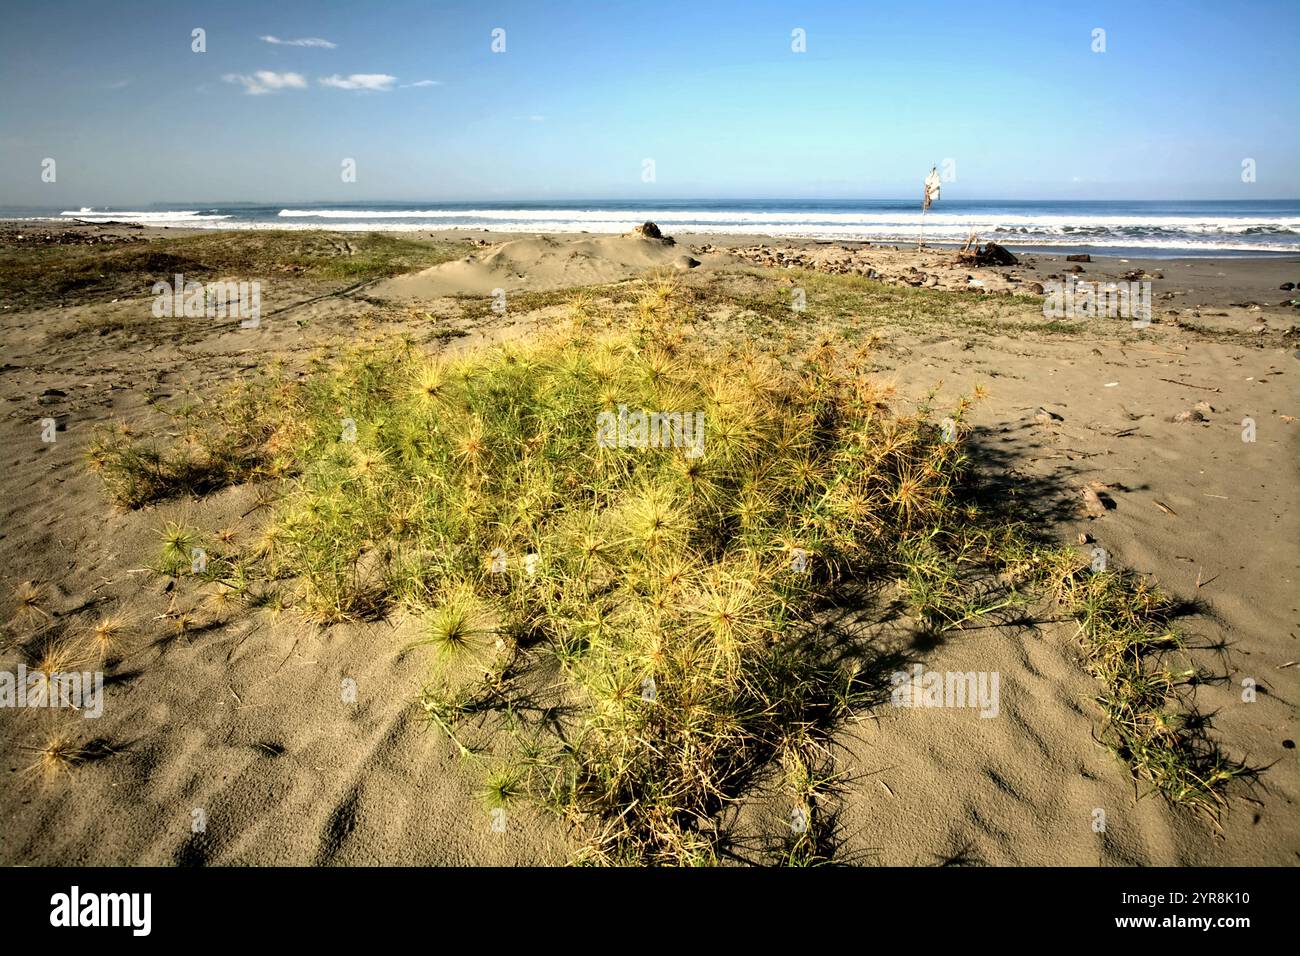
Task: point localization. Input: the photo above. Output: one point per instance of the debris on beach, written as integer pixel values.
(988, 254)
(65, 237)
(648, 230)
(1197, 413)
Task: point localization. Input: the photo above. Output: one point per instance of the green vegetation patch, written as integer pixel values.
(48, 275)
(649, 606)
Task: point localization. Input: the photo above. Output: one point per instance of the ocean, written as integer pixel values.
(1141, 228)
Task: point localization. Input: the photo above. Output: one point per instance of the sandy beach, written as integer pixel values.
(234, 714)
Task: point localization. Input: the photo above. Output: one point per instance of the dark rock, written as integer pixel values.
(1081, 257)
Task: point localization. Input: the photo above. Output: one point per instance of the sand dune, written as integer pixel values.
(540, 263)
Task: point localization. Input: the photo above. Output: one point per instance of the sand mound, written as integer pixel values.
(540, 263)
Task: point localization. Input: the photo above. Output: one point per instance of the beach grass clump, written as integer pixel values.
(135, 474)
(515, 502)
(236, 436)
(644, 605)
(1130, 642)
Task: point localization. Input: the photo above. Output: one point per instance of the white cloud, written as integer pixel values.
(417, 83)
(304, 41)
(537, 118)
(375, 82)
(120, 84)
(266, 81)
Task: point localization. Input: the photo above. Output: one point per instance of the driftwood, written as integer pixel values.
(648, 230)
(972, 253)
(108, 222)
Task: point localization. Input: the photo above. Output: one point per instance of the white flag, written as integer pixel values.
(931, 188)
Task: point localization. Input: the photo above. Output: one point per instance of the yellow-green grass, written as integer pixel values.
(673, 605)
(34, 276)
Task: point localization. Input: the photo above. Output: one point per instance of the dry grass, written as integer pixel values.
(648, 625)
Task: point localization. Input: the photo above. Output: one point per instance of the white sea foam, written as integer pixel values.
(1205, 234)
(752, 218)
(89, 214)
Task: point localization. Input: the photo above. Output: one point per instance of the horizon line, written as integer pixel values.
(667, 199)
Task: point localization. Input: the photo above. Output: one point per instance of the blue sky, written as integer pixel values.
(585, 92)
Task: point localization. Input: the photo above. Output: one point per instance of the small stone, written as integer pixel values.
(1093, 503)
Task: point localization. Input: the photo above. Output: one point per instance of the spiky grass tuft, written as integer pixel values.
(679, 595)
(29, 599)
(60, 753)
(108, 634)
(460, 626)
